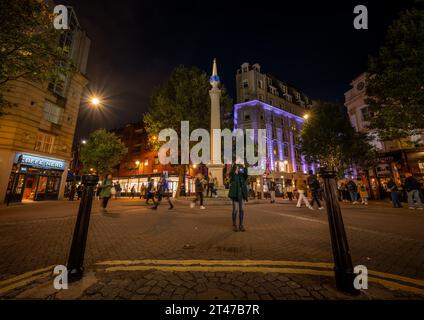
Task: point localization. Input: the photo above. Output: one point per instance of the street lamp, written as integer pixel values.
(95, 101)
(306, 116)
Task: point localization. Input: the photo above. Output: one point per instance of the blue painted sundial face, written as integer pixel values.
(214, 79)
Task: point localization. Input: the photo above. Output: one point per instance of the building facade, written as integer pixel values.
(252, 84)
(395, 157)
(36, 135)
(265, 102)
(142, 164)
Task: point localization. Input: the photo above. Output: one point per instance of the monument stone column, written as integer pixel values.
(215, 166)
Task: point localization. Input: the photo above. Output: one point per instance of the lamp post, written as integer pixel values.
(343, 267)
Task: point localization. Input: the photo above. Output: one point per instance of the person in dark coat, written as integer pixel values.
(238, 194)
(394, 193)
(412, 187)
(150, 194)
(199, 189)
(163, 191)
(315, 187)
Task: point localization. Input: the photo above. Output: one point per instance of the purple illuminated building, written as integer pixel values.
(267, 103)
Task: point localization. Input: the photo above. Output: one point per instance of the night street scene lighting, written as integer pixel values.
(211, 160)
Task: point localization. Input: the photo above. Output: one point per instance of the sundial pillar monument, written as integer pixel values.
(215, 165)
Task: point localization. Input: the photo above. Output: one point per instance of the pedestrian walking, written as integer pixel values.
(214, 185)
(199, 189)
(97, 193)
(301, 189)
(271, 189)
(118, 190)
(163, 191)
(105, 191)
(132, 192)
(394, 193)
(353, 191)
(412, 187)
(142, 191)
(79, 192)
(289, 190)
(150, 192)
(238, 194)
(363, 192)
(315, 187)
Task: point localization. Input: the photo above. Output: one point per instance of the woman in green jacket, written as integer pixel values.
(238, 194)
(105, 192)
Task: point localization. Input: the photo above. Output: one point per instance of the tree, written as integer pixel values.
(395, 84)
(103, 151)
(29, 44)
(184, 97)
(328, 138)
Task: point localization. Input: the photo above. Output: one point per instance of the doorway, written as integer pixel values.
(30, 188)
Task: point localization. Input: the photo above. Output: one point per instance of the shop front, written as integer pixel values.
(34, 178)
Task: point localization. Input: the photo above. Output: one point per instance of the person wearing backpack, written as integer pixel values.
(163, 191)
(199, 189)
(150, 192)
(363, 192)
(105, 191)
(394, 193)
(314, 185)
(353, 191)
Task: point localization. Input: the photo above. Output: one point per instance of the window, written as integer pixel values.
(156, 160)
(260, 84)
(44, 142)
(246, 116)
(52, 112)
(261, 97)
(245, 84)
(59, 84)
(146, 162)
(289, 98)
(271, 102)
(297, 95)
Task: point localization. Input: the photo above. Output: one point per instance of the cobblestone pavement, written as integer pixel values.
(289, 250)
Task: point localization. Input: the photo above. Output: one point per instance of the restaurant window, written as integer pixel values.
(146, 162)
(52, 112)
(44, 142)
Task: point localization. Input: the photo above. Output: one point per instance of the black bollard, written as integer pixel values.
(343, 267)
(76, 254)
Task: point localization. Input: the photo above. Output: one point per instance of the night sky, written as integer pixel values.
(136, 44)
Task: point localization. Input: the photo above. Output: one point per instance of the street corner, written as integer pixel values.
(206, 280)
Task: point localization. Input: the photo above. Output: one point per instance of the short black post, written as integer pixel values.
(76, 255)
(343, 266)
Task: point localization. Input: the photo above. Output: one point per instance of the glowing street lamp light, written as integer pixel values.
(84, 141)
(306, 116)
(95, 101)
(137, 163)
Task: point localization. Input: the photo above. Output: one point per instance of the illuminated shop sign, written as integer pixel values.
(39, 162)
